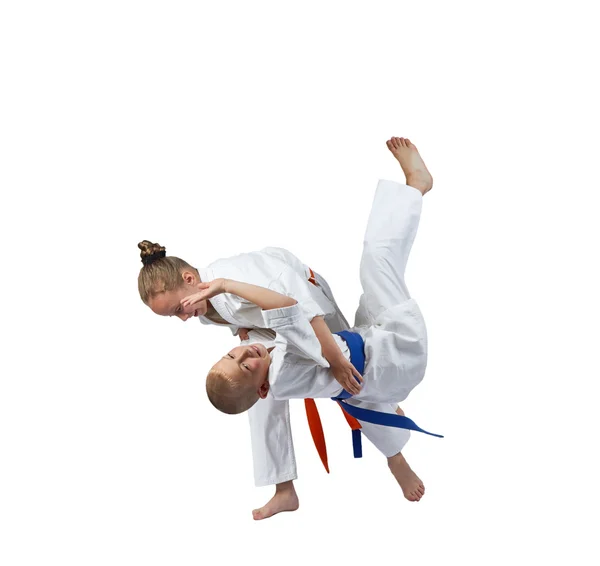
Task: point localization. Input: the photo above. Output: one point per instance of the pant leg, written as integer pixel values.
(390, 233)
(270, 428)
(271, 433)
(272, 445)
(388, 440)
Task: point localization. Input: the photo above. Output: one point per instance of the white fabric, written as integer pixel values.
(273, 453)
(273, 268)
(390, 322)
(270, 429)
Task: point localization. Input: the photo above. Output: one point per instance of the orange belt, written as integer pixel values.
(314, 420)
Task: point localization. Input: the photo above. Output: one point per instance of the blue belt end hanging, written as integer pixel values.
(357, 443)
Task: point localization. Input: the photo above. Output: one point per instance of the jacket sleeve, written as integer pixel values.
(289, 283)
(304, 273)
(294, 336)
(269, 270)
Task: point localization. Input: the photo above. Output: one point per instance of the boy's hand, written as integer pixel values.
(344, 373)
(243, 333)
(207, 290)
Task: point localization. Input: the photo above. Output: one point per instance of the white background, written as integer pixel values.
(218, 128)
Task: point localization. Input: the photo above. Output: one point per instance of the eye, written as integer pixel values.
(246, 366)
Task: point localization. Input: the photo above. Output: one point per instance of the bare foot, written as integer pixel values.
(285, 499)
(412, 164)
(411, 485)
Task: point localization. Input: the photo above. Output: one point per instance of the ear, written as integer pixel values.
(263, 389)
(188, 277)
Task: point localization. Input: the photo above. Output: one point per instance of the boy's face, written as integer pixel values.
(249, 363)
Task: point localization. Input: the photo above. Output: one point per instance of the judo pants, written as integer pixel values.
(391, 228)
(391, 231)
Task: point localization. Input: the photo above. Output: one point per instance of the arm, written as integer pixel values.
(296, 336)
(342, 369)
(280, 270)
(262, 297)
(289, 281)
(275, 272)
(331, 351)
(277, 315)
(267, 299)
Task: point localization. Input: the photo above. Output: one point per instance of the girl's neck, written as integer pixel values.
(213, 315)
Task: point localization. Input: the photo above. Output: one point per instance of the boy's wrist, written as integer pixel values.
(334, 357)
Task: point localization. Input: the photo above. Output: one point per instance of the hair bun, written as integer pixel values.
(151, 252)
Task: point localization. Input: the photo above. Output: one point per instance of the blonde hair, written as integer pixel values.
(229, 395)
(160, 273)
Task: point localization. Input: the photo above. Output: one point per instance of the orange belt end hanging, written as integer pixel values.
(354, 424)
(316, 430)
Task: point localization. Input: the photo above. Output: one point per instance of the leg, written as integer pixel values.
(285, 499)
(391, 230)
(271, 435)
(416, 173)
(273, 455)
(394, 238)
(390, 442)
(411, 485)
(272, 446)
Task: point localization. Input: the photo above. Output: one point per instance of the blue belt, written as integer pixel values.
(356, 345)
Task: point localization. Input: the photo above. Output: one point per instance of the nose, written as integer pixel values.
(183, 316)
(247, 353)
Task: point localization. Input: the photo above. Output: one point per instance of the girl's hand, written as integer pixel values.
(344, 373)
(243, 333)
(207, 290)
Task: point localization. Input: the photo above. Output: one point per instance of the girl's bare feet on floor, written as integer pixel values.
(417, 174)
(285, 499)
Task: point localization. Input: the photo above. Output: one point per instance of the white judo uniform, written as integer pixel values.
(388, 319)
(270, 428)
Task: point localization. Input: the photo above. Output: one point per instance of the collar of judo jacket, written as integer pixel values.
(207, 274)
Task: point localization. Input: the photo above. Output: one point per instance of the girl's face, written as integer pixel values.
(169, 302)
